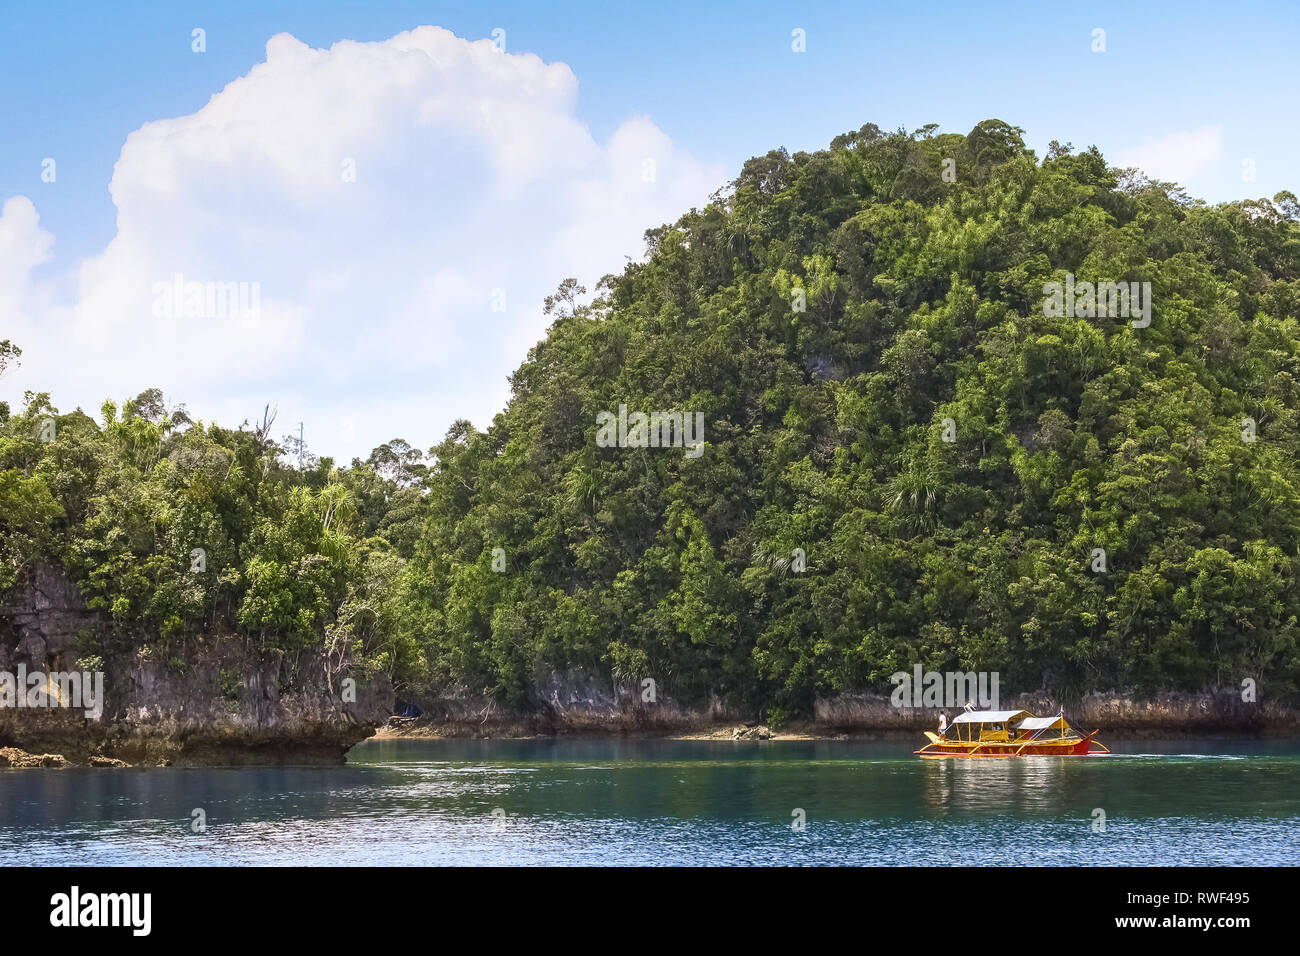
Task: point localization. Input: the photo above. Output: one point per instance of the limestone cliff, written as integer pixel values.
(573, 703)
(219, 701)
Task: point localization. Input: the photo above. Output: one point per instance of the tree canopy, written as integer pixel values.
(907, 460)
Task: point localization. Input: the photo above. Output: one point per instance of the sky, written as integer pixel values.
(394, 187)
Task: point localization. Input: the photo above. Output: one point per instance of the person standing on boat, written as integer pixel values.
(943, 723)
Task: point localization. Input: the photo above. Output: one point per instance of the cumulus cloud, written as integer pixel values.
(28, 306)
(1176, 157)
(23, 243)
(399, 208)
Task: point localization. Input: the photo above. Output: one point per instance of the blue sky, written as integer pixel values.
(1189, 91)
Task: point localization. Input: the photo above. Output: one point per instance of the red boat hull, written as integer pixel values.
(1080, 749)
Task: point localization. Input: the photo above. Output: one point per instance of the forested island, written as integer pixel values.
(908, 457)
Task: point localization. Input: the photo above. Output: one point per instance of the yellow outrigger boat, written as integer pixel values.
(1009, 733)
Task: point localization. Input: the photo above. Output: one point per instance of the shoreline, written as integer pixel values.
(741, 733)
(13, 758)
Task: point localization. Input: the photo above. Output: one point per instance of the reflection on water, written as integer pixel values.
(1022, 785)
(673, 802)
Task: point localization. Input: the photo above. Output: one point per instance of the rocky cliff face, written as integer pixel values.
(567, 703)
(220, 702)
(576, 704)
(1172, 714)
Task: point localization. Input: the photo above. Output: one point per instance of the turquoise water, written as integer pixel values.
(660, 802)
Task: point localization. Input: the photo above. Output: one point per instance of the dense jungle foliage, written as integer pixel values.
(827, 312)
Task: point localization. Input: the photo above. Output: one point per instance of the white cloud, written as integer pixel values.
(1177, 157)
(473, 174)
(28, 307)
(23, 243)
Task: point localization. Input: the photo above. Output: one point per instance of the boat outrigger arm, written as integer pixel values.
(1009, 733)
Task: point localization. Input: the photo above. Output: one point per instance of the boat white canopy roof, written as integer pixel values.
(989, 716)
(1039, 723)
